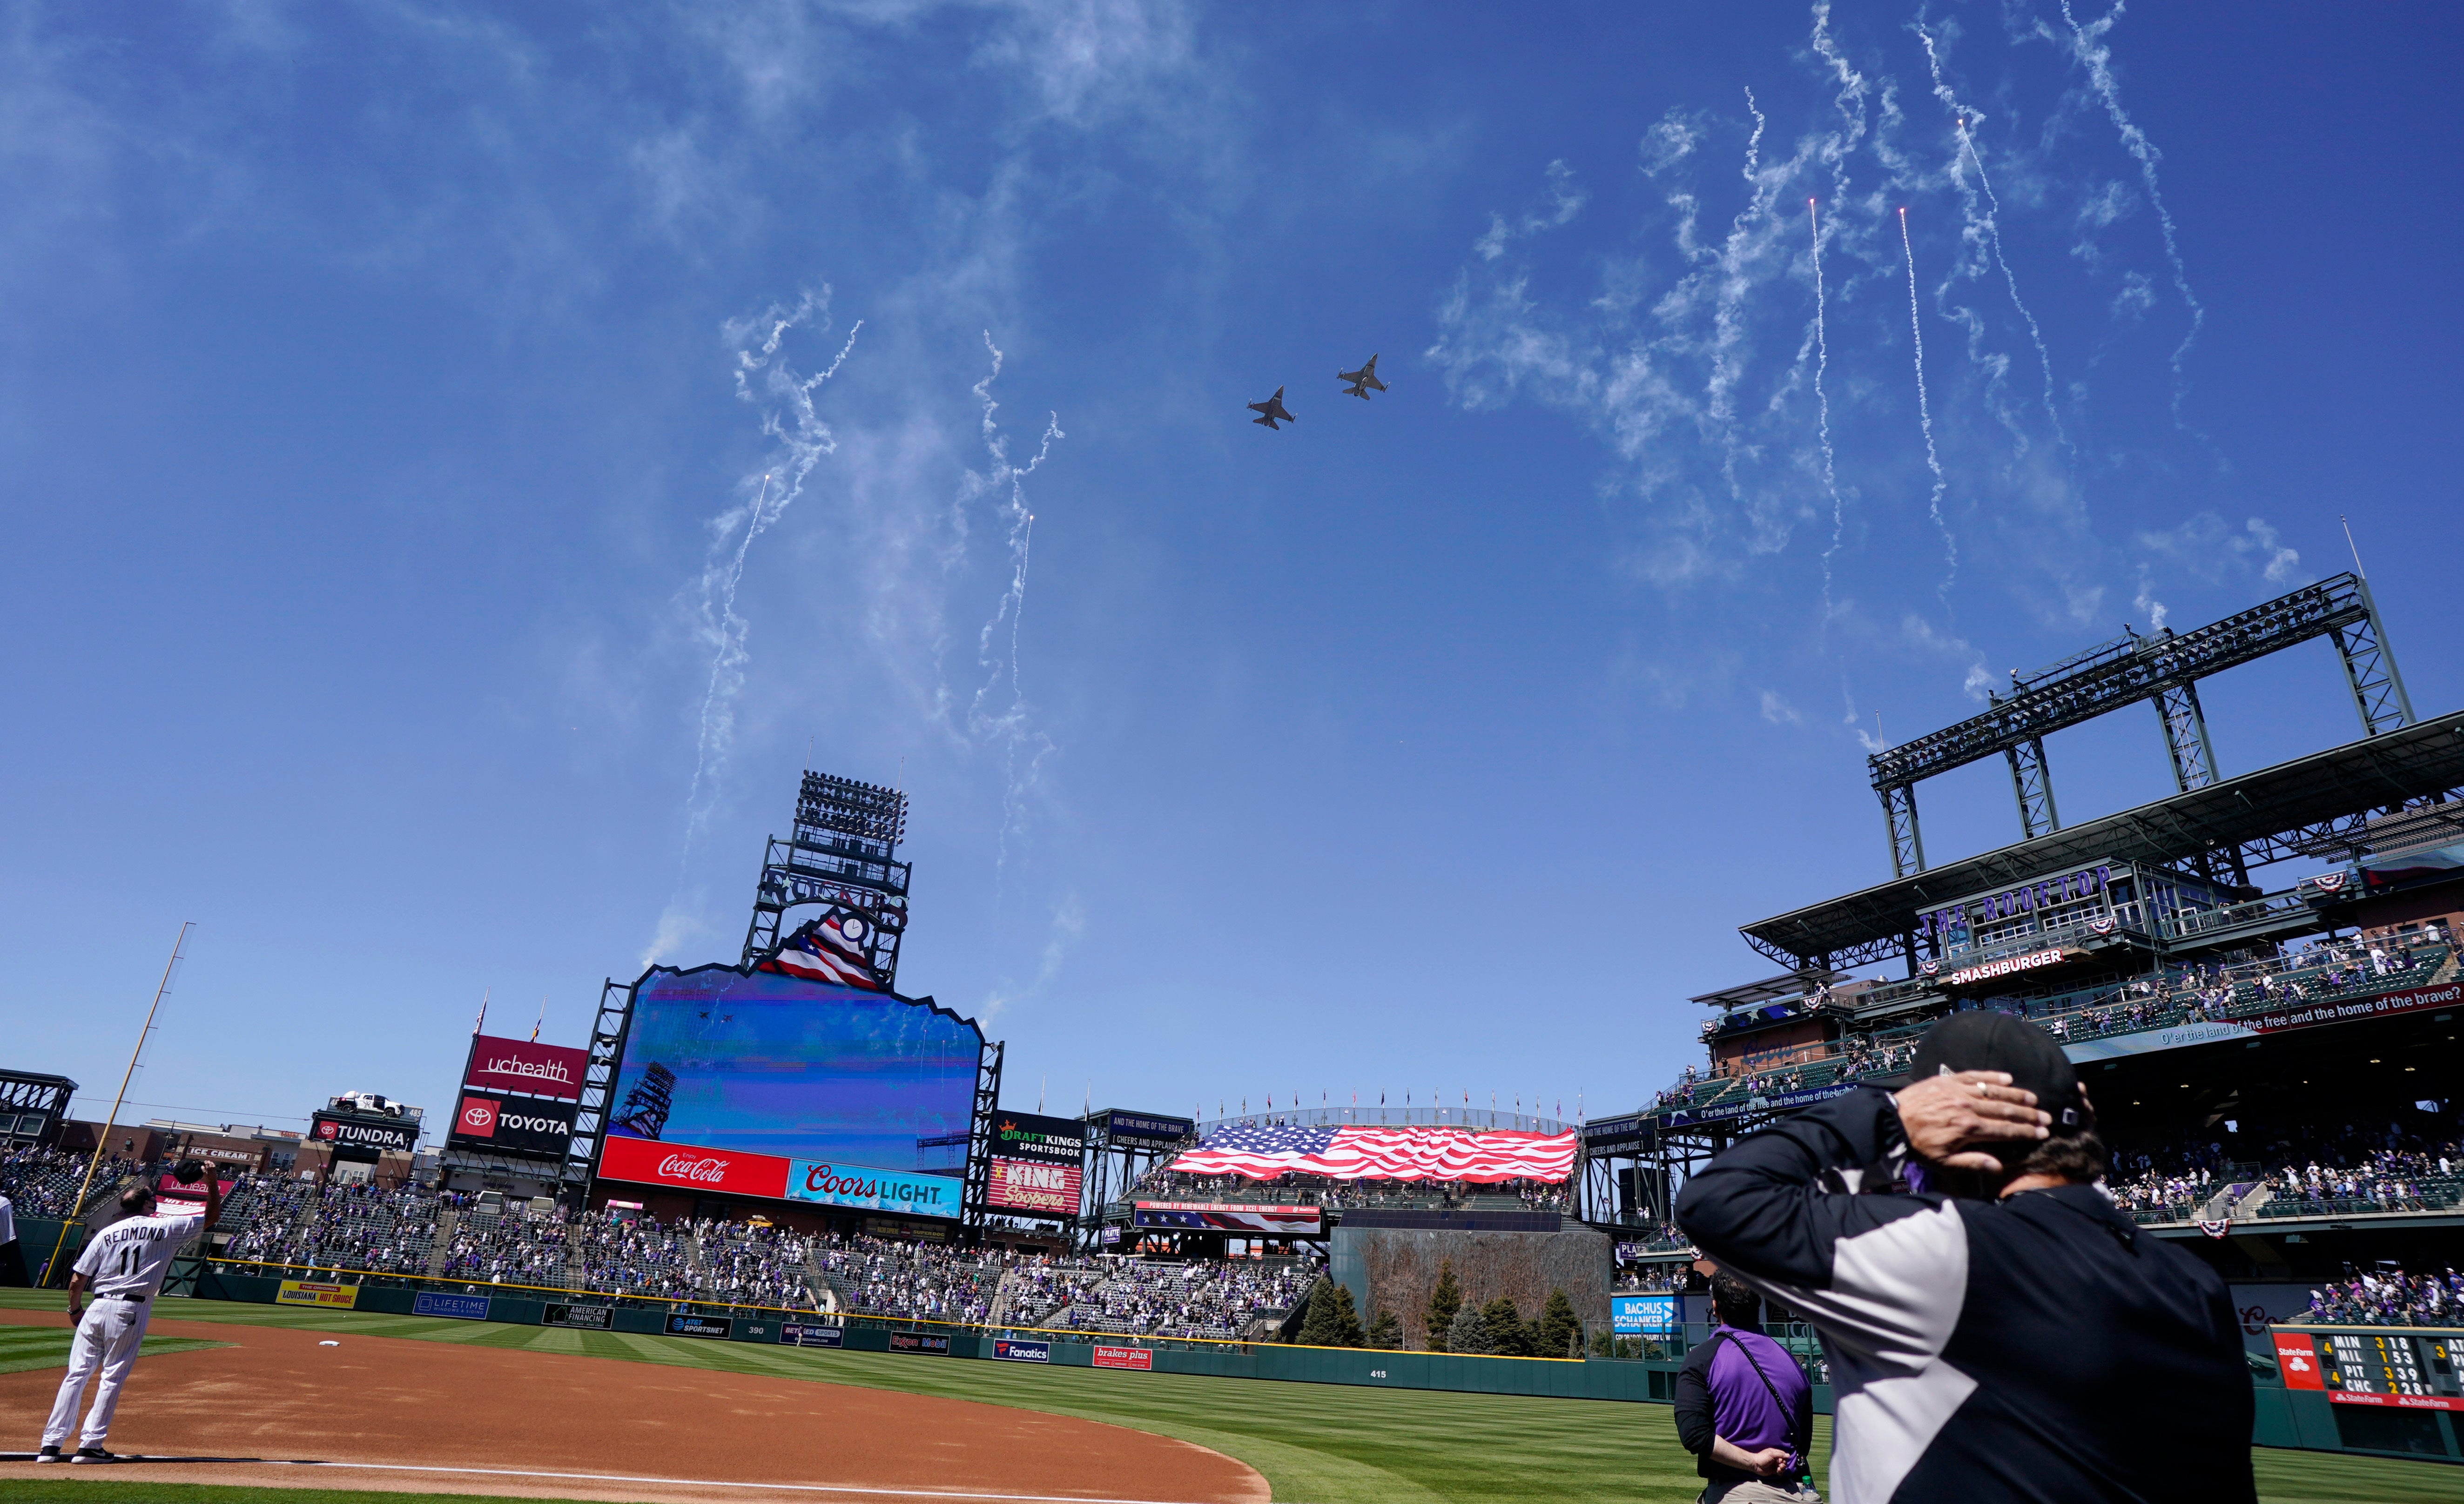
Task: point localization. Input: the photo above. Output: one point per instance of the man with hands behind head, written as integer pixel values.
(123, 1266)
(1996, 1329)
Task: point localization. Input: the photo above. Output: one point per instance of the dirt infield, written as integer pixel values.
(545, 1425)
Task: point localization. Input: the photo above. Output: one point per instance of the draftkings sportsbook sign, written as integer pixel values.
(1037, 1164)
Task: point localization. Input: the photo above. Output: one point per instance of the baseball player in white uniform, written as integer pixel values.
(123, 1265)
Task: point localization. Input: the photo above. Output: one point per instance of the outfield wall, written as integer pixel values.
(2307, 1420)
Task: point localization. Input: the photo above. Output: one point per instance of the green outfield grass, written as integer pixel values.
(23, 1347)
(1315, 1443)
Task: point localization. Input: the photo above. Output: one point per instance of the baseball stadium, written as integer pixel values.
(771, 1231)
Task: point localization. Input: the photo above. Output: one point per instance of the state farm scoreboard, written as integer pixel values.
(775, 1086)
(2397, 1367)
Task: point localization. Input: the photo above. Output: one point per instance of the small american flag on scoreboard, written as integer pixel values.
(829, 949)
(1381, 1153)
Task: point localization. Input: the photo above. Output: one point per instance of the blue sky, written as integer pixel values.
(388, 391)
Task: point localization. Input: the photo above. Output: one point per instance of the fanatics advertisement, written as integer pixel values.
(526, 1066)
(873, 1190)
(1013, 1350)
(793, 1069)
(1210, 1216)
(512, 1124)
(462, 1308)
(588, 1318)
(701, 1325)
(1138, 1358)
(805, 1334)
(314, 1291)
(360, 1133)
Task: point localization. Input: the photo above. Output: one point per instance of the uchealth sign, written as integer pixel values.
(512, 1124)
(523, 1065)
(833, 1183)
(685, 1167)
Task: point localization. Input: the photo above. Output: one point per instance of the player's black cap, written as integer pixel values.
(1992, 1041)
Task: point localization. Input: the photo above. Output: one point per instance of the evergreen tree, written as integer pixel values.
(1467, 1333)
(1386, 1331)
(1504, 1323)
(1346, 1321)
(1444, 1303)
(1318, 1327)
(1559, 1329)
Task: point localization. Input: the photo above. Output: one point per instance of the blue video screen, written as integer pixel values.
(781, 1065)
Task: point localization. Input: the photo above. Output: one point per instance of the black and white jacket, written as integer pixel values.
(2037, 1348)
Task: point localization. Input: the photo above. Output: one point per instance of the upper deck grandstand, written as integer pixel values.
(2267, 1055)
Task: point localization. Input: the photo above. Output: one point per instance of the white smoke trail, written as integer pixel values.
(1990, 220)
(804, 440)
(1726, 324)
(1822, 409)
(1924, 419)
(2086, 45)
(1012, 727)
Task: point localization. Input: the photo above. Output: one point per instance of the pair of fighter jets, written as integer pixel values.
(1363, 382)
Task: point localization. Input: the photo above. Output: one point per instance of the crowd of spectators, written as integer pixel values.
(43, 1183)
(1162, 1183)
(1191, 1299)
(2390, 1298)
(880, 1277)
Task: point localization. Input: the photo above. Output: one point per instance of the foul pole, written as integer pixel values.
(102, 1139)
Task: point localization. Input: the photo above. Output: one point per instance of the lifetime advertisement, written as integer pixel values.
(512, 1124)
(526, 1066)
(462, 1308)
(873, 1190)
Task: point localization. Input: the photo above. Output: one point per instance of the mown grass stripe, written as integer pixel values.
(1322, 1444)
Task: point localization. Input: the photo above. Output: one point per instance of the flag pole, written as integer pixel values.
(102, 1139)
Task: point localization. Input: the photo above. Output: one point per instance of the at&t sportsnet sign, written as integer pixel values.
(512, 1124)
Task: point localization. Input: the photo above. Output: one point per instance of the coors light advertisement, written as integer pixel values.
(525, 1066)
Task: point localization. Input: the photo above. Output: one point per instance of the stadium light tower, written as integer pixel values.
(842, 850)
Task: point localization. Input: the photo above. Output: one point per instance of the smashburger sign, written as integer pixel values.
(687, 1168)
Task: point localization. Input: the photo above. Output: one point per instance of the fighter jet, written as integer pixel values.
(1272, 408)
(1363, 380)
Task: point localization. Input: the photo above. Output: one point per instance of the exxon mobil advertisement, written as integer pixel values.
(777, 1065)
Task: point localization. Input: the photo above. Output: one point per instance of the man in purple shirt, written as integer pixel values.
(1744, 1408)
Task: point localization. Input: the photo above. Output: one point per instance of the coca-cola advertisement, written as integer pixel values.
(526, 1066)
(686, 1166)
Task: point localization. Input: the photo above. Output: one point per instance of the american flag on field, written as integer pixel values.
(828, 949)
(1381, 1153)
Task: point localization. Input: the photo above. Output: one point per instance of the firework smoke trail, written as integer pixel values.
(1962, 118)
(1011, 725)
(2096, 58)
(1822, 409)
(1925, 418)
(1733, 287)
(781, 482)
